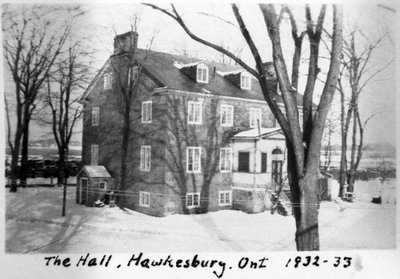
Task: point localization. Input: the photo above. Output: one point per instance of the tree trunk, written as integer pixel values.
(305, 207)
(14, 165)
(307, 233)
(124, 155)
(61, 167)
(343, 160)
(352, 173)
(23, 174)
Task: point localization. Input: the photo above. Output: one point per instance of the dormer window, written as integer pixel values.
(245, 81)
(202, 73)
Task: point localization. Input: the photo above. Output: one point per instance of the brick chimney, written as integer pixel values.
(269, 70)
(126, 41)
(270, 76)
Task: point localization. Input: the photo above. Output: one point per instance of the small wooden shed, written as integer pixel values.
(92, 184)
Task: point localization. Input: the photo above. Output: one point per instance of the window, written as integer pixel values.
(255, 114)
(244, 162)
(225, 160)
(107, 80)
(95, 116)
(144, 199)
(94, 154)
(145, 157)
(193, 157)
(194, 112)
(225, 198)
(133, 74)
(245, 81)
(202, 73)
(102, 185)
(146, 112)
(263, 162)
(226, 115)
(192, 200)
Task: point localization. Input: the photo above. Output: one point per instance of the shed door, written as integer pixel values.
(84, 191)
(244, 161)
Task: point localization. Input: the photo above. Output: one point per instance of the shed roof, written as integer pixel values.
(96, 171)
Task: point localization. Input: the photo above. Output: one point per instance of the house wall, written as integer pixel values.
(169, 135)
(210, 136)
(254, 178)
(108, 135)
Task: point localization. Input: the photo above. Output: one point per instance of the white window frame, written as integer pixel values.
(225, 163)
(225, 194)
(147, 114)
(255, 113)
(94, 154)
(193, 205)
(145, 158)
(190, 152)
(226, 110)
(245, 81)
(144, 199)
(105, 185)
(95, 116)
(108, 80)
(191, 113)
(202, 73)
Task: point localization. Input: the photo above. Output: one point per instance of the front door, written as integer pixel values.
(244, 161)
(277, 171)
(83, 191)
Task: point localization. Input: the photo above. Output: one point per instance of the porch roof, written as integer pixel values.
(96, 171)
(255, 134)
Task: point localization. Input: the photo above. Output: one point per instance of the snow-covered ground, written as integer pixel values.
(34, 225)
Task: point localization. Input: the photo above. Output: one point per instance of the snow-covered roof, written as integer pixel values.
(254, 133)
(180, 65)
(230, 72)
(96, 171)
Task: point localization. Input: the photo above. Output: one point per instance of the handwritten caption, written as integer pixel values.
(218, 267)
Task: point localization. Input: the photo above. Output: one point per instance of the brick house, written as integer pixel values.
(200, 130)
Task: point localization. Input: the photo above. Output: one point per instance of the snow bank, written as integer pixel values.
(34, 225)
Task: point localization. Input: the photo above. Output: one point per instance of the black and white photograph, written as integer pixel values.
(213, 138)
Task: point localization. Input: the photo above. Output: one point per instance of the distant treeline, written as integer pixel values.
(368, 174)
(47, 153)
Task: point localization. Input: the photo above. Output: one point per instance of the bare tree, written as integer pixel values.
(32, 42)
(357, 71)
(303, 147)
(69, 77)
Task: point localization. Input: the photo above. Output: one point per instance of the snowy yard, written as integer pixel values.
(34, 225)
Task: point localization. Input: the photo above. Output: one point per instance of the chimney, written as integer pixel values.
(270, 77)
(269, 70)
(125, 42)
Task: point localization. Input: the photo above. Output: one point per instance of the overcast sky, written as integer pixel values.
(104, 20)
